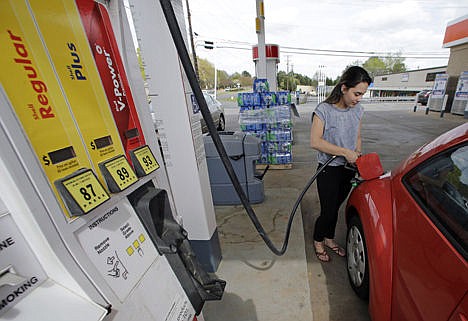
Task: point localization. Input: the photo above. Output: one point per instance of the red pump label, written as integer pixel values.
(98, 28)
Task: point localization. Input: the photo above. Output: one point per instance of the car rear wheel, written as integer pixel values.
(357, 260)
(221, 124)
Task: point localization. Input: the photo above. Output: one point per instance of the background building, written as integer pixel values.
(456, 38)
(407, 83)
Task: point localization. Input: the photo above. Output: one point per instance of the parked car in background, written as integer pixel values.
(423, 97)
(407, 239)
(217, 112)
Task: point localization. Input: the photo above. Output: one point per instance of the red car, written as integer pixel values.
(407, 239)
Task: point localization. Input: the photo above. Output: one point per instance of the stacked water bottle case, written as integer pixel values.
(267, 115)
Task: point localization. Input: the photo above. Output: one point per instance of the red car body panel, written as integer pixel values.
(378, 231)
(461, 313)
(415, 273)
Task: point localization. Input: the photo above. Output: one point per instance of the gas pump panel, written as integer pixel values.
(59, 113)
(25, 288)
(20, 272)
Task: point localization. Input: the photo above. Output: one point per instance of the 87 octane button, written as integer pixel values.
(81, 192)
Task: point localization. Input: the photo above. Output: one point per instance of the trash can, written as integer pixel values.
(243, 151)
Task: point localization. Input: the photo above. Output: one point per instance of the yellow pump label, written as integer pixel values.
(59, 24)
(32, 87)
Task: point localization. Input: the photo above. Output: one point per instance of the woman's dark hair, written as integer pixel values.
(350, 78)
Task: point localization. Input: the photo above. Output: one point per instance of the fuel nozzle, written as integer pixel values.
(355, 180)
(369, 166)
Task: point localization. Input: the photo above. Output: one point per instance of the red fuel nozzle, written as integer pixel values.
(369, 166)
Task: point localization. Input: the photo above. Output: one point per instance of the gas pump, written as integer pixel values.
(184, 151)
(87, 227)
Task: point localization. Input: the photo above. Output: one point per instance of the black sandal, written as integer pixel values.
(338, 250)
(322, 256)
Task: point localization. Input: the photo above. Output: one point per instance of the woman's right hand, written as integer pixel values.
(351, 156)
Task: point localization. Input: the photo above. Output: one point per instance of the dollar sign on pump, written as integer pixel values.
(46, 160)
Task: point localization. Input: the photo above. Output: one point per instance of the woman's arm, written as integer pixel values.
(317, 142)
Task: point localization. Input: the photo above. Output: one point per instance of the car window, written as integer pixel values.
(209, 101)
(440, 186)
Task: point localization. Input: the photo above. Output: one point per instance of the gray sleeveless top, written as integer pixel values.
(341, 128)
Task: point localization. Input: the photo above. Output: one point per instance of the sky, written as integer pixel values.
(413, 28)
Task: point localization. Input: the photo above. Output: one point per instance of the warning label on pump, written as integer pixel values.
(180, 310)
(17, 260)
(116, 243)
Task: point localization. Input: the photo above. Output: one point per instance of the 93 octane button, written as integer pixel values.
(86, 190)
(146, 159)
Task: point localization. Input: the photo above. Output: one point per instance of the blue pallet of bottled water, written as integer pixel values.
(249, 99)
(261, 85)
(279, 158)
(263, 159)
(279, 135)
(267, 116)
(252, 119)
(279, 147)
(268, 99)
(283, 98)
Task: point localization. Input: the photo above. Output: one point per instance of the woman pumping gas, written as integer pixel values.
(336, 131)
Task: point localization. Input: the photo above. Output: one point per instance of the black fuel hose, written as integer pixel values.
(193, 81)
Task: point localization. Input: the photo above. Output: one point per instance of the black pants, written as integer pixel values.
(333, 184)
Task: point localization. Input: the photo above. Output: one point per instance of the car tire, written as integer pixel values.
(357, 259)
(222, 123)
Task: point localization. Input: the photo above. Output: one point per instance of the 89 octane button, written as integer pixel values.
(118, 173)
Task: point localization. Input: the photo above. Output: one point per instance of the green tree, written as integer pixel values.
(246, 81)
(205, 73)
(330, 81)
(395, 64)
(375, 66)
(223, 79)
(243, 79)
(291, 80)
(379, 66)
(245, 73)
(281, 79)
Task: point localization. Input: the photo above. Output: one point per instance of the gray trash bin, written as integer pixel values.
(243, 150)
